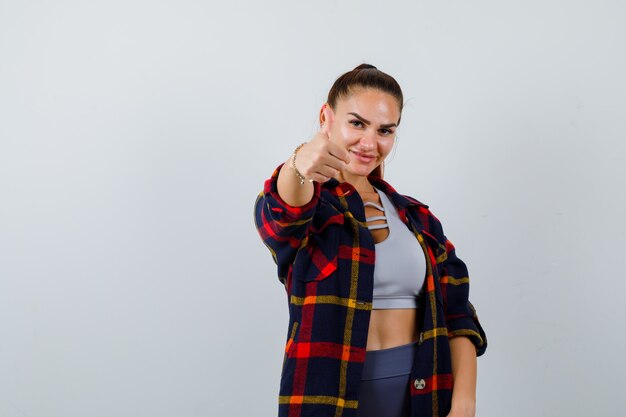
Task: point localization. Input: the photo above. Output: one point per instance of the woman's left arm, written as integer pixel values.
(467, 338)
(463, 355)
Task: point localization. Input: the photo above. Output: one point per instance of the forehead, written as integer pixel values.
(372, 103)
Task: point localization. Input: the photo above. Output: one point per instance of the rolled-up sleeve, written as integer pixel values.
(282, 227)
(461, 317)
(460, 314)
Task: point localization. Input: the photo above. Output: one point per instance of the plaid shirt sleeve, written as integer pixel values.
(282, 227)
(460, 314)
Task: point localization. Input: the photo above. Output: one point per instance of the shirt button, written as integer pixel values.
(419, 384)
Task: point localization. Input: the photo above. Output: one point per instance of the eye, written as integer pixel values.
(386, 132)
(356, 123)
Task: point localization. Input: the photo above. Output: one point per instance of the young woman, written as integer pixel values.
(380, 323)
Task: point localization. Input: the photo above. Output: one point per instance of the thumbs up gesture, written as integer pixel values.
(321, 159)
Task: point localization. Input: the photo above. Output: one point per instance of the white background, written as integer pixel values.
(135, 136)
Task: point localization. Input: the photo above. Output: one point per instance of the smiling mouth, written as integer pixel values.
(363, 157)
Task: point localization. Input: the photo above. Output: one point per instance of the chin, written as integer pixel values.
(362, 170)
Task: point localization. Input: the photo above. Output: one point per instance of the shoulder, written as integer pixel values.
(422, 210)
(418, 210)
(402, 200)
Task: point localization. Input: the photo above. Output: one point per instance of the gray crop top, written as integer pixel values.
(400, 266)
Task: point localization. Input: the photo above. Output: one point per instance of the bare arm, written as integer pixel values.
(290, 189)
(463, 353)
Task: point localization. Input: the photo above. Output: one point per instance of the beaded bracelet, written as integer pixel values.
(293, 164)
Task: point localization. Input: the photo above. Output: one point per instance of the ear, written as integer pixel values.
(322, 117)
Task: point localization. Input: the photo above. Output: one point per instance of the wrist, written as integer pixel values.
(293, 167)
(463, 407)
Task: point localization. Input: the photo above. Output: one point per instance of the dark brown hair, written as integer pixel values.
(365, 76)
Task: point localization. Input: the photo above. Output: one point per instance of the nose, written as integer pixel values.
(368, 141)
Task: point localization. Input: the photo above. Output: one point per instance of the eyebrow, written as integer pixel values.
(367, 122)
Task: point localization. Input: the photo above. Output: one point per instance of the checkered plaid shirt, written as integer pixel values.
(325, 259)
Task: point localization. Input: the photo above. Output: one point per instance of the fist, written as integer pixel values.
(320, 159)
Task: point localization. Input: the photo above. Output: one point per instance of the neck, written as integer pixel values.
(359, 182)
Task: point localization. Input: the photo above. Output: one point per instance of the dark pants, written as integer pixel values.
(384, 387)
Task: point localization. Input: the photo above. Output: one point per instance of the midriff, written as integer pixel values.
(392, 327)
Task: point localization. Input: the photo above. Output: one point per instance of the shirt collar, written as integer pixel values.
(403, 201)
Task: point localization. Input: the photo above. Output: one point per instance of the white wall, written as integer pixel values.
(135, 136)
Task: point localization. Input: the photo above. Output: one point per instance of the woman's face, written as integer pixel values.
(364, 124)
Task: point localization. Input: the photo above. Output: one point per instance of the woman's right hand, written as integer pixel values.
(321, 159)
